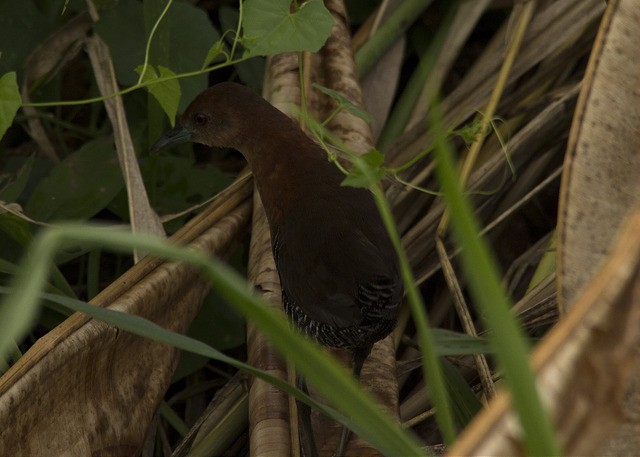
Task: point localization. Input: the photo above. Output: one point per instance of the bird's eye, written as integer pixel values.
(200, 119)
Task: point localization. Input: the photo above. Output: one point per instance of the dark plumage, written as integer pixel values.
(337, 266)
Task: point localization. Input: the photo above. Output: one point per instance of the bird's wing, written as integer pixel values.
(333, 271)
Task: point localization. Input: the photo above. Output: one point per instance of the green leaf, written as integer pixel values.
(344, 103)
(218, 325)
(469, 133)
(192, 35)
(122, 29)
(79, 186)
(16, 228)
(23, 26)
(465, 404)
(331, 380)
(166, 92)
(367, 170)
(448, 342)
(191, 32)
(270, 27)
(14, 188)
(251, 71)
(482, 273)
(178, 183)
(214, 52)
(10, 100)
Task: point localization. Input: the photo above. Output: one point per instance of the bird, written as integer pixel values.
(338, 269)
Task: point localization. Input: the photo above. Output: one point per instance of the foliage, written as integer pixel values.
(83, 182)
(9, 100)
(269, 27)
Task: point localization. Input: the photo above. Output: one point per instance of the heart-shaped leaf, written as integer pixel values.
(166, 92)
(271, 28)
(344, 102)
(367, 170)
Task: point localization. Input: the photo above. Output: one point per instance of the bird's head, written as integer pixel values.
(215, 118)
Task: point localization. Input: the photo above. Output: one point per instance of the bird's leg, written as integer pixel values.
(358, 357)
(304, 422)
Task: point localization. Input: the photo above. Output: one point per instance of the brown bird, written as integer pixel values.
(337, 266)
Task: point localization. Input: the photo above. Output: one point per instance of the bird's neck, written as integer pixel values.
(287, 166)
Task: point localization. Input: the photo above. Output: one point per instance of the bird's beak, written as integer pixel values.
(176, 135)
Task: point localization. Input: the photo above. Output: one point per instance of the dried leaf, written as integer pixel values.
(97, 372)
(601, 181)
(582, 381)
(601, 185)
(143, 218)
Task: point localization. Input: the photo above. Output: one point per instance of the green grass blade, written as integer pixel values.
(406, 13)
(481, 271)
(431, 366)
(365, 417)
